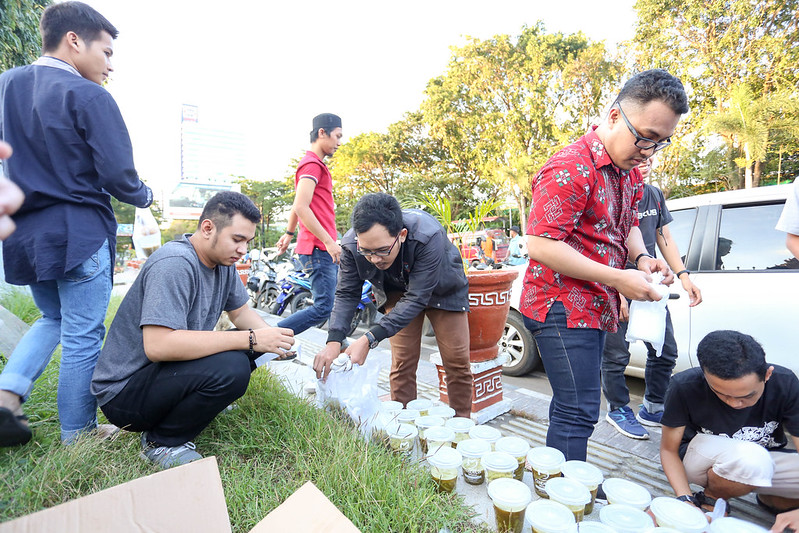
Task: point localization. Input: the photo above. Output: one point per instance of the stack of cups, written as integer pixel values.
(461, 425)
(401, 438)
(626, 493)
(423, 423)
(570, 493)
(546, 516)
(518, 448)
(473, 451)
(486, 433)
(438, 436)
(625, 519)
(510, 499)
(545, 463)
(498, 465)
(421, 405)
(674, 514)
(444, 411)
(444, 463)
(588, 475)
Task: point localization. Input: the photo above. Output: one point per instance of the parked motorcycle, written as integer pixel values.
(294, 293)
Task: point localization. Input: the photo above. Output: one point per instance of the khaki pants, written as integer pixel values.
(452, 334)
(772, 472)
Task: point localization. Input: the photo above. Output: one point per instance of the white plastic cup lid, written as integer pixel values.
(473, 447)
(729, 524)
(444, 411)
(625, 519)
(446, 457)
(549, 516)
(485, 432)
(429, 421)
(439, 433)
(420, 404)
(585, 473)
(544, 458)
(407, 415)
(673, 513)
(390, 405)
(626, 493)
(500, 462)
(460, 424)
(595, 527)
(567, 491)
(515, 446)
(509, 494)
(402, 431)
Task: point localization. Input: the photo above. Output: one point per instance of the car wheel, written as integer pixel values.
(517, 342)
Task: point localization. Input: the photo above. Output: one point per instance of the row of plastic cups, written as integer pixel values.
(423, 407)
(547, 464)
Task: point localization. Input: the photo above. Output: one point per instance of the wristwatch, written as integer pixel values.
(373, 343)
(688, 498)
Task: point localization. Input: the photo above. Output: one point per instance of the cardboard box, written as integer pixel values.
(186, 498)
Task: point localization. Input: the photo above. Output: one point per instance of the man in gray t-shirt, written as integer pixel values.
(163, 370)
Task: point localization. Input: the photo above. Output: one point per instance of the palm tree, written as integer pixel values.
(751, 124)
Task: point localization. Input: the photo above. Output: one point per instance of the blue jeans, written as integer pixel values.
(73, 310)
(616, 357)
(571, 358)
(323, 288)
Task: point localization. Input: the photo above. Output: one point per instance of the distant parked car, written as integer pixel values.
(749, 280)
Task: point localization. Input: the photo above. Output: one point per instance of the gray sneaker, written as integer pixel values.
(169, 456)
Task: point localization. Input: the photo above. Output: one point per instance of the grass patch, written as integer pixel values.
(266, 448)
(20, 302)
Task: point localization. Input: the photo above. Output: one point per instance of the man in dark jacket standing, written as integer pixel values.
(415, 271)
(71, 153)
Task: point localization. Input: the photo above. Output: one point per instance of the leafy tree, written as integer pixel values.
(752, 124)
(506, 104)
(714, 46)
(20, 42)
(272, 198)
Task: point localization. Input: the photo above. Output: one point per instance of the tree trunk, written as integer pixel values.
(757, 173)
(748, 173)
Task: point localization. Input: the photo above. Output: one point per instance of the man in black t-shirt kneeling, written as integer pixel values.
(724, 426)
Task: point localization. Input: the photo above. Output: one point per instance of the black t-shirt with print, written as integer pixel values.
(691, 403)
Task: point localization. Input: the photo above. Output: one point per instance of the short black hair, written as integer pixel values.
(729, 354)
(655, 84)
(221, 208)
(377, 208)
(83, 19)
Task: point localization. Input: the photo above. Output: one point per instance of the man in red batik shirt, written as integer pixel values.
(581, 231)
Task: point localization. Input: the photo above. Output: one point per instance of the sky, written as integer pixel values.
(265, 68)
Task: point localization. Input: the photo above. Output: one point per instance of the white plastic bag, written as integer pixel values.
(648, 319)
(146, 233)
(353, 389)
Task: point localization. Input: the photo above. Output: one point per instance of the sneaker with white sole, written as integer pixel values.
(169, 456)
(623, 419)
(647, 418)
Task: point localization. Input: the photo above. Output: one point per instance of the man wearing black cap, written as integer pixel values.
(517, 250)
(313, 209)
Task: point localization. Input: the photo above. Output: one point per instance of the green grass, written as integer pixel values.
(20, 302)
(266, 448)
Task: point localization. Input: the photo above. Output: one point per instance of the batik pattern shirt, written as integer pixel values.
(581, 198)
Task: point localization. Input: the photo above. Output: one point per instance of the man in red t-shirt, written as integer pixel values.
(581, 231)
(313, 208)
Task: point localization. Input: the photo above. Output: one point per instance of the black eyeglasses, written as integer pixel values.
(642, 142)
(377, 253)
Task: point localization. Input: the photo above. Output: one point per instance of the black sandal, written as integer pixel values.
(12, 431)
(707, 503)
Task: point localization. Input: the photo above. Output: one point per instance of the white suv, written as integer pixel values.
(748, 278)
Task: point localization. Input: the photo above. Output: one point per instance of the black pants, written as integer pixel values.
(174, 401)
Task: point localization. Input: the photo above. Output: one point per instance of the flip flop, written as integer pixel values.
(12, 431)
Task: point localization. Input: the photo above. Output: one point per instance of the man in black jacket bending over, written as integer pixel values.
(415, 271)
